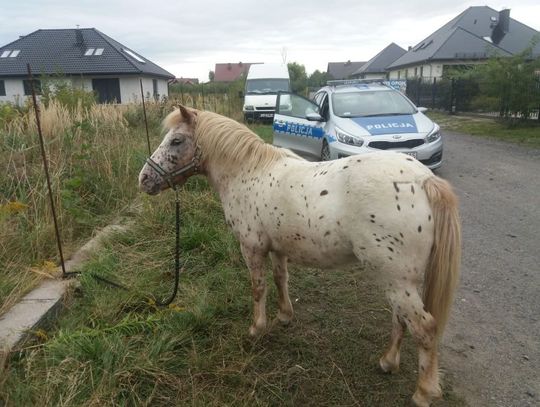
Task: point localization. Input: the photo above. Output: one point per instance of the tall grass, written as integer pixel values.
(94, 154)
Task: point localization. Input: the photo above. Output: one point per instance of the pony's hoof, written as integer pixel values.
(387, 366)
(283, 318)
(423, 398)
(255, 331)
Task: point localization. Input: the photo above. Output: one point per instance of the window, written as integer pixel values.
(10, 53)
(371, 103)
(155, 88)
(296, 106)
(2, 88)
(133, 55)
(28, 87)
(93, 51)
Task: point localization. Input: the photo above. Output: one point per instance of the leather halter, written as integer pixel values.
(194, 165)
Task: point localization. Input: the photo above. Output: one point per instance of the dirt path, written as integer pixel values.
(492, 345)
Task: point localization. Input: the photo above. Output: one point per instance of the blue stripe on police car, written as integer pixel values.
(387, 124)
(298, 129)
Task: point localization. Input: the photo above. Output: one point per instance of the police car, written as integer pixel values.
(353, 117)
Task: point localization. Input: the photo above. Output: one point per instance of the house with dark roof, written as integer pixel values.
(82, 57)
(230, 72)
(375, 68)
(342, 70)
(470, 38)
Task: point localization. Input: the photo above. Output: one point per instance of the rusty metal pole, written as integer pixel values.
(46, 168)
(145, 120)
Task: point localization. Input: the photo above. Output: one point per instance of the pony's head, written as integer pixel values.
(176, 158)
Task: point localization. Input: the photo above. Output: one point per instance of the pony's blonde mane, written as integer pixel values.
(229, 142)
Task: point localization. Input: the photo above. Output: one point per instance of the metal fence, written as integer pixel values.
(471, 95)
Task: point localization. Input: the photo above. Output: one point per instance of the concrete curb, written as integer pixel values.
(45, 301)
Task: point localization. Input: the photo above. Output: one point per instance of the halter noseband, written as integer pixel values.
(194, 164)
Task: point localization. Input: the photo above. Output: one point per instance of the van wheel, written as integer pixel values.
(325, 152)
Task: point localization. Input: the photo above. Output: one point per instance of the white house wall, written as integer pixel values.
(14, 91)
(130, 91)
(130, 88)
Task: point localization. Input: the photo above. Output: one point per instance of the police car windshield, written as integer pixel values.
(371, 103)
(266, 86)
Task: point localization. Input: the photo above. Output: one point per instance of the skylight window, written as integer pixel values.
(134, 55)
(93, 51)
(10, 53)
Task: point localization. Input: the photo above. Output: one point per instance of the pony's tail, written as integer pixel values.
(442, 273)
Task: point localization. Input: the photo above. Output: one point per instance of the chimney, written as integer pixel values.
(409, 48)
(501, 29)
(79, 40)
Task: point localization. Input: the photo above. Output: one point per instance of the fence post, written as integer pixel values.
(452, 96)
(202, 92)
(433, 91)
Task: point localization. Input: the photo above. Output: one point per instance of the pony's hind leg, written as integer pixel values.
(389, 362)
(255, 262)
(281, 278)
(423, 328)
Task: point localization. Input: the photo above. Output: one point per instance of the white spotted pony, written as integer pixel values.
(383, 209)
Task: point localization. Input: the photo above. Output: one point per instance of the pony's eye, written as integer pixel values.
(176, 141)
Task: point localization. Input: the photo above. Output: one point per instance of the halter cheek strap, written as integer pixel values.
(168, 176)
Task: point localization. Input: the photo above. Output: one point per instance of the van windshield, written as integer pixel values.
(375, 103)
(266, 86)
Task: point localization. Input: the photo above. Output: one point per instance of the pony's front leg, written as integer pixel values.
(255, 262)
(281, 278)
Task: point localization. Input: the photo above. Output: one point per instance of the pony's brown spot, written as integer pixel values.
(398, 207)
(429, 218)
(408, 294)
(372, 221)
(372, 216)
(345, 167)
(396, 187)
(324, 192)
(327, 233)
(412, 189)
(389, 248)
(419, 229)
(322, 216)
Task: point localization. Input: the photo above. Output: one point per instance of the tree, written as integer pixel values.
(298, 76)
(317, 79)
(211, 76)
(513, 81)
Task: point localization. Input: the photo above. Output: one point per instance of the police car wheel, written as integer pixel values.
(325, 152)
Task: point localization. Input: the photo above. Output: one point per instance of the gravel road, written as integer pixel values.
(492, 344)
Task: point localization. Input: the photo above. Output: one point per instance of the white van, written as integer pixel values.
(263, 82)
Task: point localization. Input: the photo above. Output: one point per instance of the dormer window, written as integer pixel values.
(93, 52)
(8, 53)
(134, 55)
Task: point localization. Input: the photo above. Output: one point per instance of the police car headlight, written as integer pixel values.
(347, 138)
(249, 107)
(434, 135)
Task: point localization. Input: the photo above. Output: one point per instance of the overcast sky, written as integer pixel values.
(187, 37)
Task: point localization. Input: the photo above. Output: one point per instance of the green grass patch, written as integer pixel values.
(113, 347)
(522, 133)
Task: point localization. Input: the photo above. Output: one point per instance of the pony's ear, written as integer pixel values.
(187, 116)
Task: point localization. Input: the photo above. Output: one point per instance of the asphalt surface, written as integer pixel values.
(491, 350)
